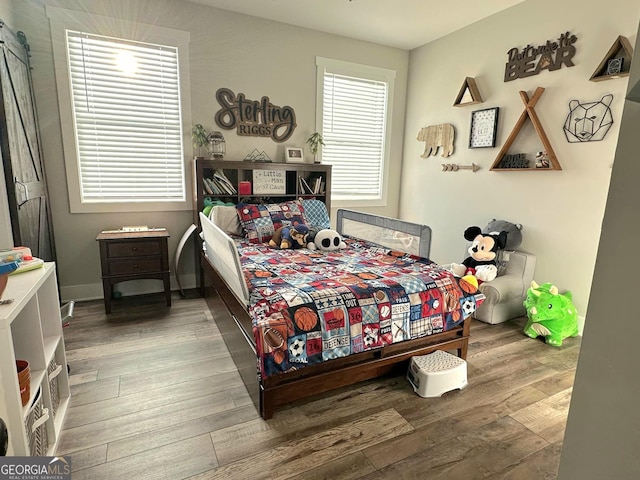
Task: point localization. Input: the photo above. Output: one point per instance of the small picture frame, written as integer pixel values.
(293, 155)
(614, 66)
(484, 126)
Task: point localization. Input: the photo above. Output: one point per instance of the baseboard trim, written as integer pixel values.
(93, 291)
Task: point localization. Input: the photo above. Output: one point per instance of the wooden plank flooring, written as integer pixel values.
(155, 395)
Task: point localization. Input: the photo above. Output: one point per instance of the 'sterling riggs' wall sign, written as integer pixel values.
(254, 118)
(532, 60)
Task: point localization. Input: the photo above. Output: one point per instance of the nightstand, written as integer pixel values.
(133, 256)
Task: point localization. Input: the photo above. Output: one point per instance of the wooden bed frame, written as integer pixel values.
(235, 325)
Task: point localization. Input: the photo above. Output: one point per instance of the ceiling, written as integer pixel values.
(404, 24)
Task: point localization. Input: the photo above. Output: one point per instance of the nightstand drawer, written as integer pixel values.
(134, 249)
(134, 266)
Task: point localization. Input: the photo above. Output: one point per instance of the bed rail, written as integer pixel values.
(223, 255)
(388, 232)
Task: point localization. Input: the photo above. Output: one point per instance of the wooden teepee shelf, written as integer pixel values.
(621, 50)
(528, 113)
(469, 85)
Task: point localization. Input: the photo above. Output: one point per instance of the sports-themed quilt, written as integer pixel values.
(310, 306)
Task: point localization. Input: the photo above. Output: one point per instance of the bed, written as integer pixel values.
(299, 323)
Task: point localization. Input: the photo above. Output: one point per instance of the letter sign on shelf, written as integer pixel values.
(269, 182)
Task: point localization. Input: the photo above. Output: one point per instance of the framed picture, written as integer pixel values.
(293, 155)
(614, 66)
(484, 125)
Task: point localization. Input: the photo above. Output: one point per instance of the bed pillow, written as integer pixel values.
(315, 214)
(261, 221)
(226, 218)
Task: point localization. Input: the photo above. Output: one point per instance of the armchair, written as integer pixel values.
(508, 290)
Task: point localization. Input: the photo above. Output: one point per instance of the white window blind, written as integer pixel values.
(354, 113)
(126, 110)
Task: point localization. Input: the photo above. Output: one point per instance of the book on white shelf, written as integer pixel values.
(26, 265)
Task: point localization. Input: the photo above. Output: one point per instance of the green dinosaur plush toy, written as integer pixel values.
(551, 314)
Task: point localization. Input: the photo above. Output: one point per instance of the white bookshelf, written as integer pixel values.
(31, 329)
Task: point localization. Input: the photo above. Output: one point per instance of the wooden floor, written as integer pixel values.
(155, 396)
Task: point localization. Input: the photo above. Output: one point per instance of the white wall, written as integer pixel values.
(603, 429)
(248, 55)
(561, 210)
(6, 12)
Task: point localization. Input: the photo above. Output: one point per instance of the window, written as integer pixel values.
(121, 106)
(126, 110)
(354, 104)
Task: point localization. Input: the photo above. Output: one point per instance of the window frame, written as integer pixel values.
(62, 20)
(368, 72)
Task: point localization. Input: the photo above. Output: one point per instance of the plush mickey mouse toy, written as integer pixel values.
(483, 250)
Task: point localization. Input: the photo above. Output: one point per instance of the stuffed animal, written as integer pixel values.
(209, 204)
(290, 236)
(514, 232)
(326, 240)
(551, 314)
(483, 250)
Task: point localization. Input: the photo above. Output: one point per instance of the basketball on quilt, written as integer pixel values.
(367, 276)
(468, 284)
(338, 314)
(305, 318)
(387, 259)
(278, 356)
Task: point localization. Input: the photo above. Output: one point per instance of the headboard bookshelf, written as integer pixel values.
(258, 182)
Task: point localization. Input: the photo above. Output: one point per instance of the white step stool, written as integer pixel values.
(437, 373)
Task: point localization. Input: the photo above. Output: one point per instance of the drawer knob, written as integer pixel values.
(134, 249)
(135, 265)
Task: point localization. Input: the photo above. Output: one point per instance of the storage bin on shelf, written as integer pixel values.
(36, 426)
(24, 380)
(53, 371)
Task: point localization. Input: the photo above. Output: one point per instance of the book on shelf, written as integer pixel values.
(214, 188)
(314, 185)
(215, 185)
(304, 186)
(219, 186)
(224, 182)
(207, 187)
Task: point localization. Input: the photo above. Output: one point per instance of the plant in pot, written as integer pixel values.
(199, 137)
(314, 141)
